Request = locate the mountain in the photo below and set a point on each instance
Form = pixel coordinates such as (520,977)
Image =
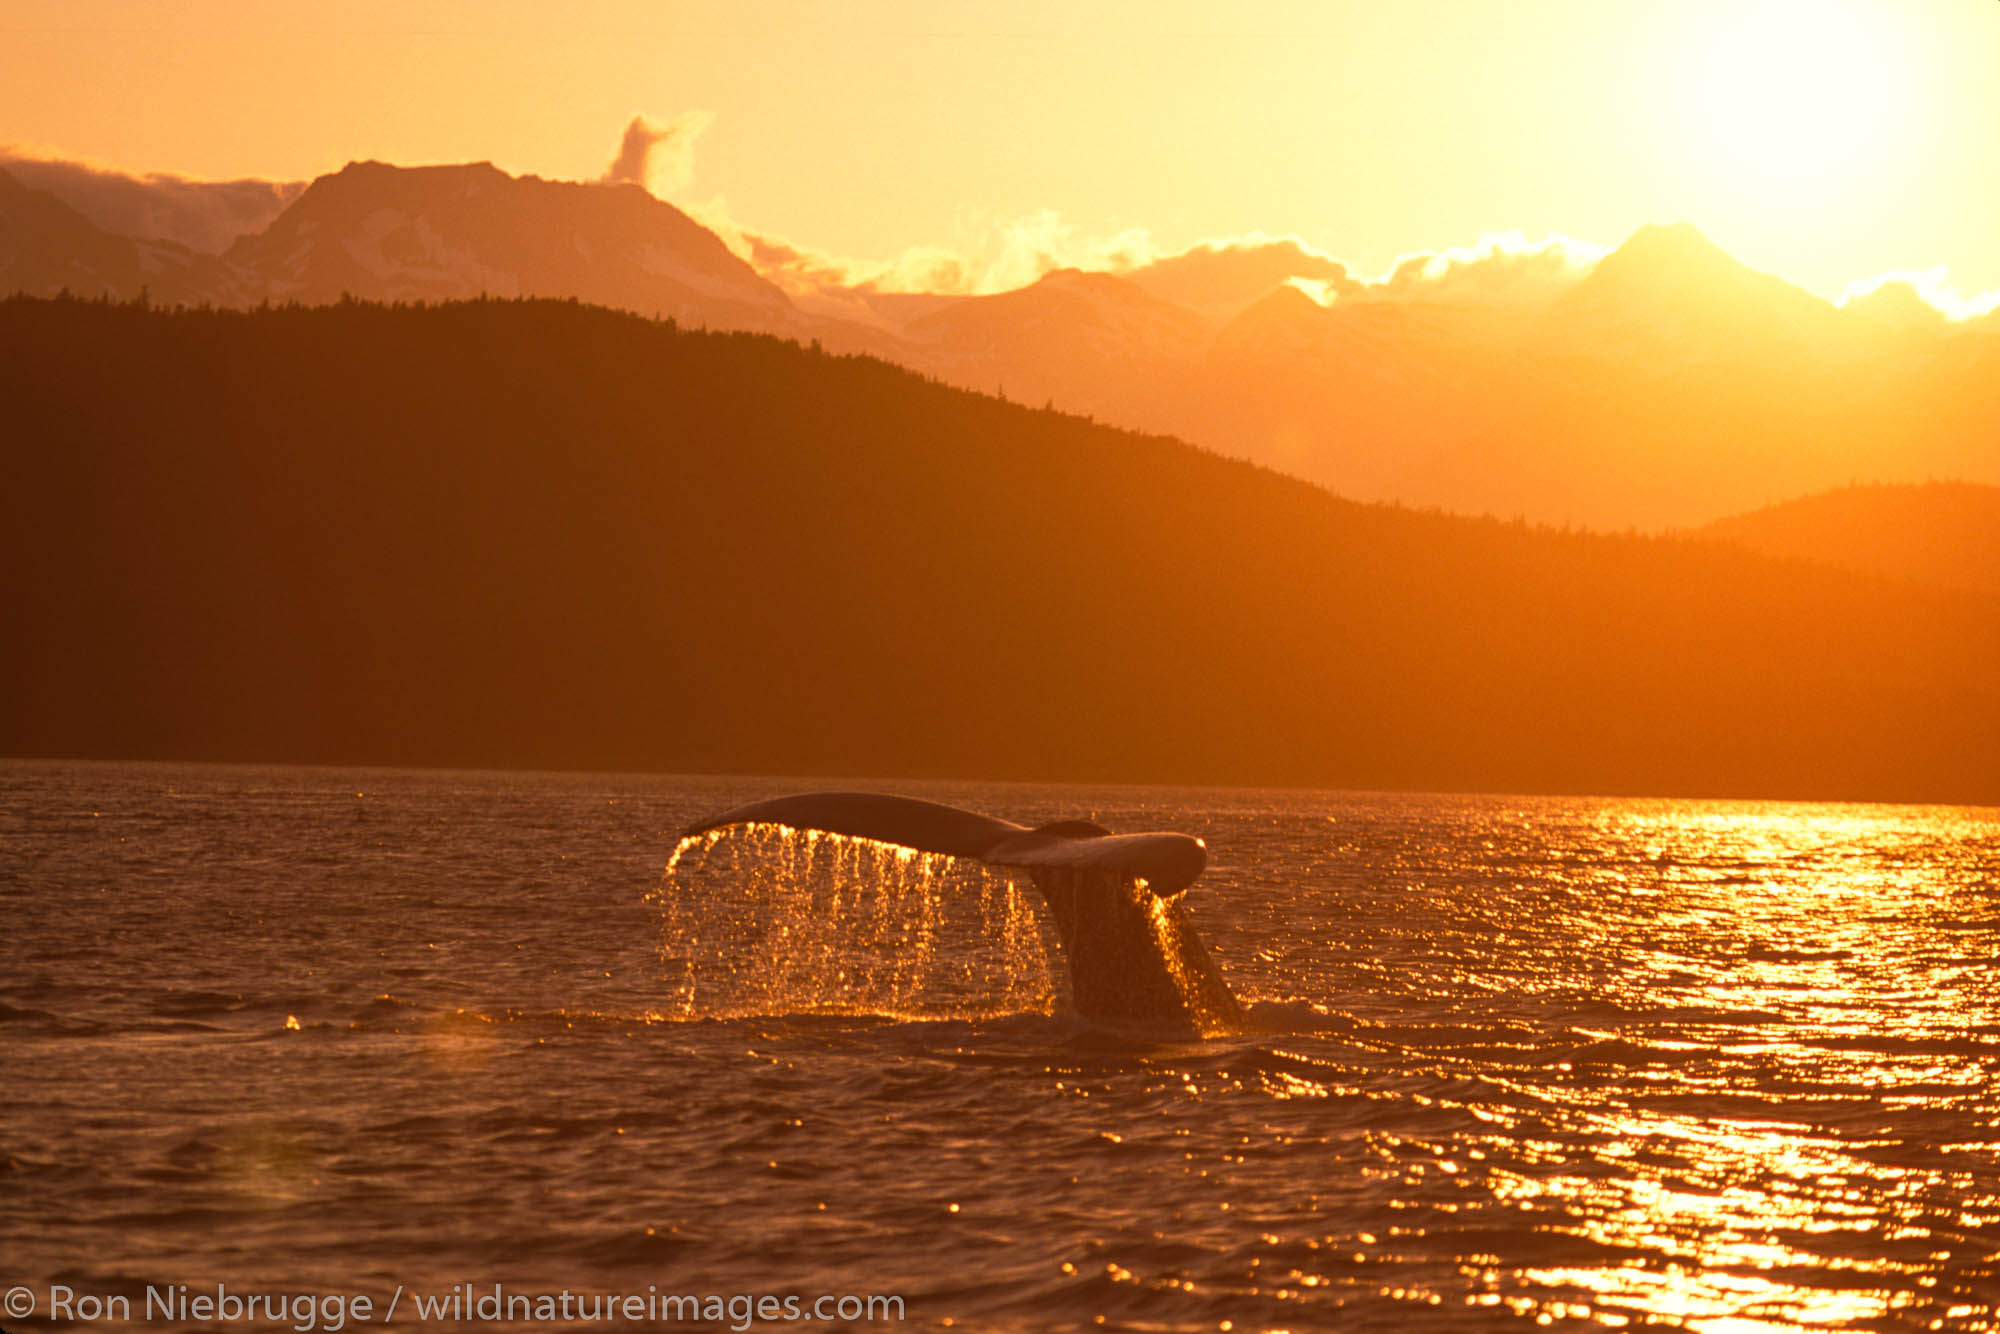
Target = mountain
(378,232)
(546,534)
(1093,342)
(48,247)
(1667,386)
(1384,383)
(1219,282)
(1674,385)
(1669,295)
(1946,534)
(1897,306)
(203,216)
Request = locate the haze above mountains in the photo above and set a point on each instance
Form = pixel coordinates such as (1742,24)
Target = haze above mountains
(1664,385)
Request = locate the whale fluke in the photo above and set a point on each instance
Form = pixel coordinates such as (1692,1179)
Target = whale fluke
(1133,954)
(1167,863)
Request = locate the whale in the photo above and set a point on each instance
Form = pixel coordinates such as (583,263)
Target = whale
(1134,957)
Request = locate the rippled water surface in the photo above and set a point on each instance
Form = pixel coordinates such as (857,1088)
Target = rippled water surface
(1717,1066)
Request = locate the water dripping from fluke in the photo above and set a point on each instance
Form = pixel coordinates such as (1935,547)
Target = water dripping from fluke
(859,903)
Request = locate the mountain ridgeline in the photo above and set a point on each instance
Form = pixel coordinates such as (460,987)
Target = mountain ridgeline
(1945,534)
(544,534)
(1664,385)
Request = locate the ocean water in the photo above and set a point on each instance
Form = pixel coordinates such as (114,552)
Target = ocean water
(1511,1062)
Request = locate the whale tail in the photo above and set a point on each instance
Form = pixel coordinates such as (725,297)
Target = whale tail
(1134,956)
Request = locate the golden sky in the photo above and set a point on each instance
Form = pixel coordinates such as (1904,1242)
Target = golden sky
(1824,140)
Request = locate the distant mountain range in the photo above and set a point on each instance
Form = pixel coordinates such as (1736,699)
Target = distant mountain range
(1943,534)
(380,233)
(1665,386)
(547,534)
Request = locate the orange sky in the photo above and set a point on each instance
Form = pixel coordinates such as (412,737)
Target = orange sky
(1824,140)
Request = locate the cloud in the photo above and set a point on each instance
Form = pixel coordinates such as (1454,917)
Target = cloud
(1216,278)
(201,215)
(988,255)
(1888,296)
(1504,269)
(797,267)
(771,256)
(1223,277)
(1018,251)
(658,158)
(984,256)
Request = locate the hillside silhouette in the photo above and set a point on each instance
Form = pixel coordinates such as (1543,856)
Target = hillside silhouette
(1665,384)
(1941,533)
(544,534)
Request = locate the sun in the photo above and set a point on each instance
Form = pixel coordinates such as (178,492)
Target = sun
(1788,96)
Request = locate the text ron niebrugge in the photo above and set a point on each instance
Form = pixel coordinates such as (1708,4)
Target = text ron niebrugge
(307,1312)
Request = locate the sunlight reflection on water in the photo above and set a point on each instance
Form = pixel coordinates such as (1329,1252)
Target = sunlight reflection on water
(1599,1063)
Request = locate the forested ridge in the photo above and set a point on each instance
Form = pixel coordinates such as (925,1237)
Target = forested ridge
(550,535)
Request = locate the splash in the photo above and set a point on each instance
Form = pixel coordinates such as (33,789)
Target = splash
(767,919)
